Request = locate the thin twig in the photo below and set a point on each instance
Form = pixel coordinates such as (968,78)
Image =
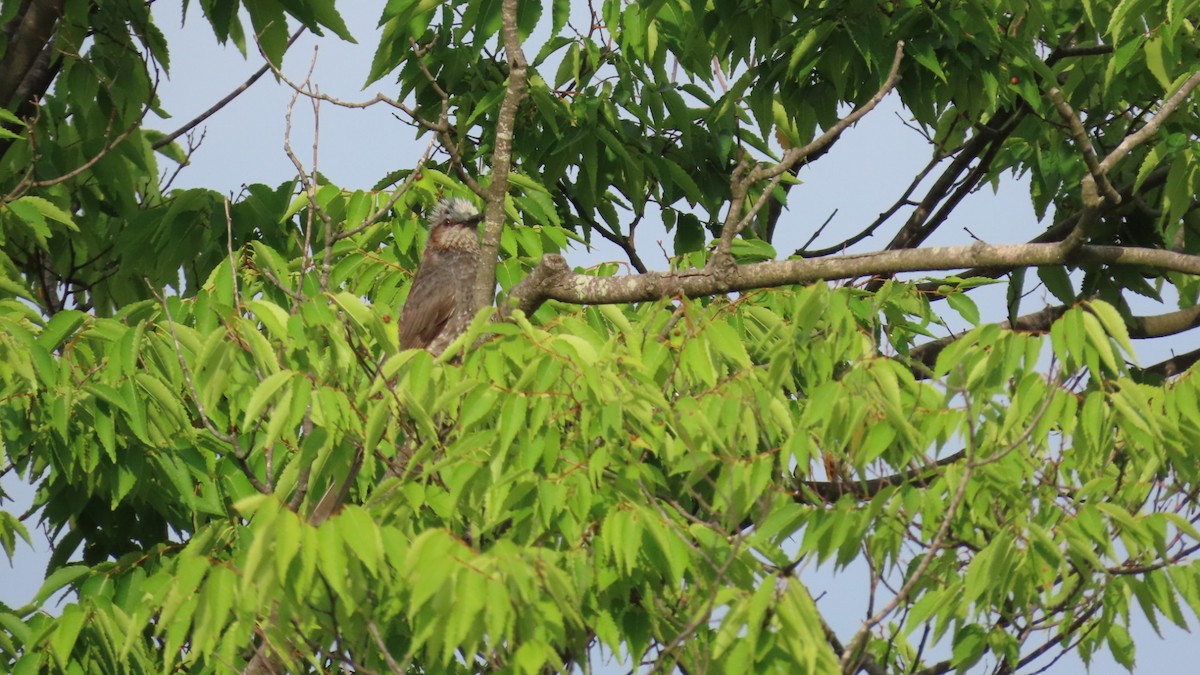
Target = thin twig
(852,655)
(393,667)
(396,195)
(170,138)
(230,439)
(1085,145)
(740,184)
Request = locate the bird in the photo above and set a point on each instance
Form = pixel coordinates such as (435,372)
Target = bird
(438,308)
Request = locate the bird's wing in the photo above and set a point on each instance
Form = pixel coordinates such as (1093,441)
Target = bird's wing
(429,306)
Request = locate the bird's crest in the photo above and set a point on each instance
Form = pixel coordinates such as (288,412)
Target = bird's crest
(454,210)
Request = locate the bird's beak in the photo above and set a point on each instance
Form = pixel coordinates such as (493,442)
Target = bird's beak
(474,220)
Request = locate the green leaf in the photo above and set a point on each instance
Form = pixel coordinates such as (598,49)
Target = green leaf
(965,307)
(62,641)
(970,644)
(272,316)
(1154,48)
(59,327)
(333,563)
(1125,10)
(261,396)
(1113,324)
(1099,341)
(1058,282)
(1121,645)
(56,581)
(923,54)
(1016,284)
(361,535)
(46,208)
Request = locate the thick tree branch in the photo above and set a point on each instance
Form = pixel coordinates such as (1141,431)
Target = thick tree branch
(536,287)
(927,353)
(817,492)
(1062,227)
(1141,328)
(32,31)
(557,282)
(1174,365)
(485,280)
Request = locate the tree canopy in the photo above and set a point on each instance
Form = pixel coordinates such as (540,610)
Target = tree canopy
(240,471)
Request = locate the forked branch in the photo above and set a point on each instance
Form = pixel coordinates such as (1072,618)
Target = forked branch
(742,180)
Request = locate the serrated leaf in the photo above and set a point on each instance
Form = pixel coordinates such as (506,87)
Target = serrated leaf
(262,394)
(47,209)
(272,316)
(62,641)
(56,581)
(1099,341)
(1155,60)
(1114,325)
(59,327)
(1058,282)
(361,535)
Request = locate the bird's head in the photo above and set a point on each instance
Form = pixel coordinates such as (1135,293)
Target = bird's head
(454,211)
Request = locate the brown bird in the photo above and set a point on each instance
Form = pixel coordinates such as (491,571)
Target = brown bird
(439,302)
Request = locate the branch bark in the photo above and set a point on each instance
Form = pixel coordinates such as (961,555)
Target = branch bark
(485,279)
(1064,225)
(553,280)
(33,29)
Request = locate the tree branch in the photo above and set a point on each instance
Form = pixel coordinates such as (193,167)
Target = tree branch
(557,282)
(1093,203)
(1062,227)
(1085,144)
(1174,365)
(819,492)
(170,138)
(1142,135)
(927,353)
(740,184)
(917,228)
(485,280)
(869,230)
(396,195)
(855,649)
(624,242)
(33,30)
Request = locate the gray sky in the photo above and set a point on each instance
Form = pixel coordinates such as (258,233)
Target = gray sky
(866,172)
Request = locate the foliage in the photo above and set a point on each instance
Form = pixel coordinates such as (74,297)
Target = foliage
(237,465)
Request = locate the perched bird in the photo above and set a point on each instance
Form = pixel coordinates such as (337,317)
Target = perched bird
(439,303)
